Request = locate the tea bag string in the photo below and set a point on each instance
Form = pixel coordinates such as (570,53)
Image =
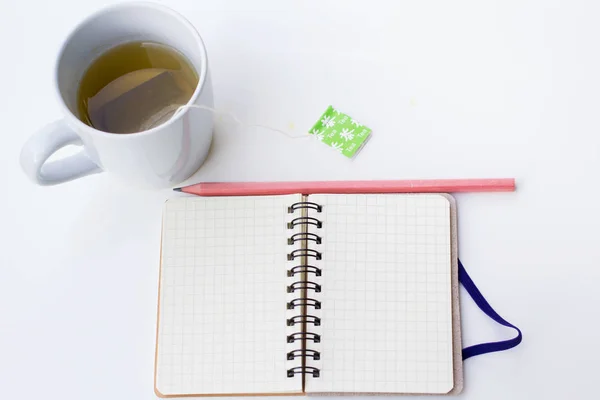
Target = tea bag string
(239,122)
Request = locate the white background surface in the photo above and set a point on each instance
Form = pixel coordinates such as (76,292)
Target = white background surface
(450,89)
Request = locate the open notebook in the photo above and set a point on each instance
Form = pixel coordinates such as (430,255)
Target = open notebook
(308,295)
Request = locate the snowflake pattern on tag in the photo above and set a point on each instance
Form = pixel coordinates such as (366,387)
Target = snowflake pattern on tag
(339,131)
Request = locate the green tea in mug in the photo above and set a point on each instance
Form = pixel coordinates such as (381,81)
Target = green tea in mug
(134,87)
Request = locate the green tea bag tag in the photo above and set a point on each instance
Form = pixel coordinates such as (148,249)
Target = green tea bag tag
(341,132)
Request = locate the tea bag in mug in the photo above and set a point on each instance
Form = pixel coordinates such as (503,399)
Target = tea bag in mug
(138,101)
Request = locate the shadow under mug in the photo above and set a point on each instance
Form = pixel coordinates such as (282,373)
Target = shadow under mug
(160,157)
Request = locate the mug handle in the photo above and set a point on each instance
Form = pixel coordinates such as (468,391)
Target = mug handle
(46,142)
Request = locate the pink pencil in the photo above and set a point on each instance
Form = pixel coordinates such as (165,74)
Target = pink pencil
(347,187)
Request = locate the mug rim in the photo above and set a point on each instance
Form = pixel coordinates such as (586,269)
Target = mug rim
(197,91)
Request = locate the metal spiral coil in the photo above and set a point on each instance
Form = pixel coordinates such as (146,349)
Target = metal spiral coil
(316,372)
(305,204)
(304,353)
(304,336)
(304,253)
(296,237)
(304,301)
(304,287)
(308,269)
(304,221)
(307,319)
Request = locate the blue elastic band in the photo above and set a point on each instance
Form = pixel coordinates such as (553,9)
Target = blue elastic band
(482,303)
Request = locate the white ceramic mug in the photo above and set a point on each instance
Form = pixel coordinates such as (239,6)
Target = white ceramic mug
(159,157)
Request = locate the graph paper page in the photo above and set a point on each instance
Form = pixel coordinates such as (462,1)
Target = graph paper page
(386,295)
(222,304)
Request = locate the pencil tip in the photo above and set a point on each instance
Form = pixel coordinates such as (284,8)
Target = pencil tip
(177,189)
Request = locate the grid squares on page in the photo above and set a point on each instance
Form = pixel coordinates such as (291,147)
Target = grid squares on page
(222,316)
(386,306)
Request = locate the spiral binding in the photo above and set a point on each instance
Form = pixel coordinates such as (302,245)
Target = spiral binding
(314,371)
(304,301)
(308,269)
(316,321)
(305,204)
(304,253)
(304,336)
(304,236)
(304,353)
(304,221)
(303,286)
